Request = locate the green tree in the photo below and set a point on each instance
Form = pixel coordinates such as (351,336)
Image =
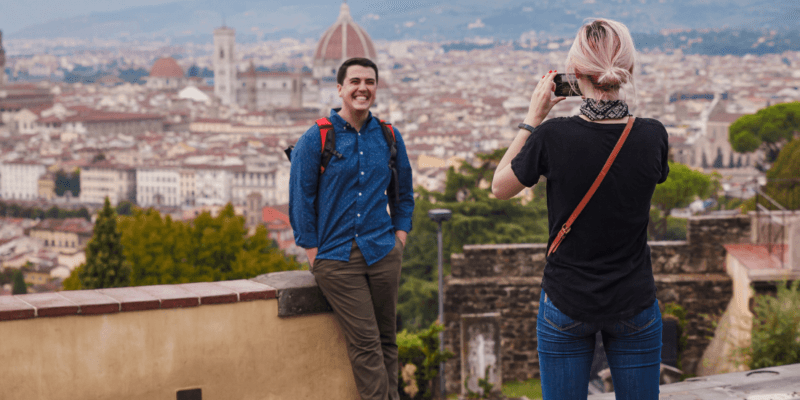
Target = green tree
(19,283)
(769,128)
(73,282)
(68,182)
(125,207)
(163,251)
(52,212)
(105,264)
(683,185)
(783,178)
(478,218)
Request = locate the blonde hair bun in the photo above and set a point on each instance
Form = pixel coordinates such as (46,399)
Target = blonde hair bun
(603,51)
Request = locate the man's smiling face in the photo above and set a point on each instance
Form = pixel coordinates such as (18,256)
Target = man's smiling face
(358,89)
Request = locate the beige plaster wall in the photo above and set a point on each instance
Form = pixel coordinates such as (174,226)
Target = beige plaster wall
(733,329)
(232,351)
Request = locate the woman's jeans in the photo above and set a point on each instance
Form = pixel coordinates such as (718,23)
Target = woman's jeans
(566,349)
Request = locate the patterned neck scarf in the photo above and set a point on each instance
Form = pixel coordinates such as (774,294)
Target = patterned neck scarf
(604,109)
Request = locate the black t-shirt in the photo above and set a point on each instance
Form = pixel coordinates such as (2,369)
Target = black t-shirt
(602,270)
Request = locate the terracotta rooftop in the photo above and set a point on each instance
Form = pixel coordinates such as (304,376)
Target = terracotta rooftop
(757,256)
(101,116)
(345,32)
(73,225)
(276,213)
(723,117)
(166,67)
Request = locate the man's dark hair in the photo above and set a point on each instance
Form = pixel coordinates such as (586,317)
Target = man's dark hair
(364,62)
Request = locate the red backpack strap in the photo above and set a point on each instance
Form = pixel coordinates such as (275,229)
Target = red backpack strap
(391,129)
(324,126)
(328,140)
(393,191)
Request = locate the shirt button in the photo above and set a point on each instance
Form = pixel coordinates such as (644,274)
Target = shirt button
(359,193)
(362,172)
(358,215)
(361,152)
(356,235)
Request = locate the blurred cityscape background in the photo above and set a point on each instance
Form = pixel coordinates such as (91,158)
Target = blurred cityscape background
(177,114)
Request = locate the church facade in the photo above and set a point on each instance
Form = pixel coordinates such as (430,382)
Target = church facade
(260,90)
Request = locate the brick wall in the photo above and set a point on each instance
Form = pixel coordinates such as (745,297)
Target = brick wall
(506,278)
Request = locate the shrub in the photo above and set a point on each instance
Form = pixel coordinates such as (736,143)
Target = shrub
(422,350)
(776,328)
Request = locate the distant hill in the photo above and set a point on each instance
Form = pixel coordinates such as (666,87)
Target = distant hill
(501,20)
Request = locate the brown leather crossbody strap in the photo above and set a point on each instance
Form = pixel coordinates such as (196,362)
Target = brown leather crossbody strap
(566,228)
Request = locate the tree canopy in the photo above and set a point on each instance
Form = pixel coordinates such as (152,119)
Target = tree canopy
(783,178)
(158,250)
(770,127)
(19,283)
(163,251)
(478,218)
(68,182)
(683,185)
(105,264)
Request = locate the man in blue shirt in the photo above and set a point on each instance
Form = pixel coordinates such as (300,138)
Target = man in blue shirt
(340,217)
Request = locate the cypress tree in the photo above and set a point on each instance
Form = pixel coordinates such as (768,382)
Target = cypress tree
(19,283)
(105,264)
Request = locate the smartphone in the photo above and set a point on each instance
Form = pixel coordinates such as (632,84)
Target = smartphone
(563,86)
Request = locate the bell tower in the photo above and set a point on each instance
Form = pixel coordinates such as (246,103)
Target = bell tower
(224,65)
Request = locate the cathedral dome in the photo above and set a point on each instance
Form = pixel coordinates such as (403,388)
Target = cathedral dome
(166,67)
(343,40)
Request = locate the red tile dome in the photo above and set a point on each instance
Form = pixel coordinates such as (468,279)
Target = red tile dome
(166,67)
(344,39)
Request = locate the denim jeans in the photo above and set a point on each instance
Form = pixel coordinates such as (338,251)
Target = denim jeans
(566,349)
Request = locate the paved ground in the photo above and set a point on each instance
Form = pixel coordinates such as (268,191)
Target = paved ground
(776,383)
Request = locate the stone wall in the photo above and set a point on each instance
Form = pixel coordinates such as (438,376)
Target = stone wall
(506,278)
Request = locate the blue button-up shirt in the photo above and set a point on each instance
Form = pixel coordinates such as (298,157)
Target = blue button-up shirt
(348,201)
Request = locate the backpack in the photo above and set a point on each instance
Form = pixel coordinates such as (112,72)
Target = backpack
(328,139)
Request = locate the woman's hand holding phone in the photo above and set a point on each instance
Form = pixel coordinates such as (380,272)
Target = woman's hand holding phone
(542,100)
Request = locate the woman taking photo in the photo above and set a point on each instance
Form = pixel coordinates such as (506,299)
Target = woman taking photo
(598,276)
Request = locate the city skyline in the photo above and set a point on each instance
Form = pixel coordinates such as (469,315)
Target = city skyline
(389,20)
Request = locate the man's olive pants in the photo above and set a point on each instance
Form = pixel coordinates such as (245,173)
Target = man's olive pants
(364,300)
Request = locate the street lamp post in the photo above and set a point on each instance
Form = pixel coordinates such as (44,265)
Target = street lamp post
(440,215)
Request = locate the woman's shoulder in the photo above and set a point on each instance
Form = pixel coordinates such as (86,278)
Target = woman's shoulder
(554,124)
(651,123)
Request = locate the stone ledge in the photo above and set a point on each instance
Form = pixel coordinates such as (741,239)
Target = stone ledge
(768,383)
(298,293)
(501,247)
(496,280)
(134,298)
(667,243)
(674,278)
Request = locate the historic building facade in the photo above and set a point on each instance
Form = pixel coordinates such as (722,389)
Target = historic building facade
(259,90)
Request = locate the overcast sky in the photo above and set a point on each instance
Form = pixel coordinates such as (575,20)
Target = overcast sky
(17,14)
(264,16)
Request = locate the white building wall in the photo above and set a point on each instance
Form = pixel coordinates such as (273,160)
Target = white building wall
(281,193)
(247,182)
(157,186)
(212,187)
(20,181)
(97,183)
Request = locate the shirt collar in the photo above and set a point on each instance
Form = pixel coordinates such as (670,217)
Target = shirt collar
(339,122)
